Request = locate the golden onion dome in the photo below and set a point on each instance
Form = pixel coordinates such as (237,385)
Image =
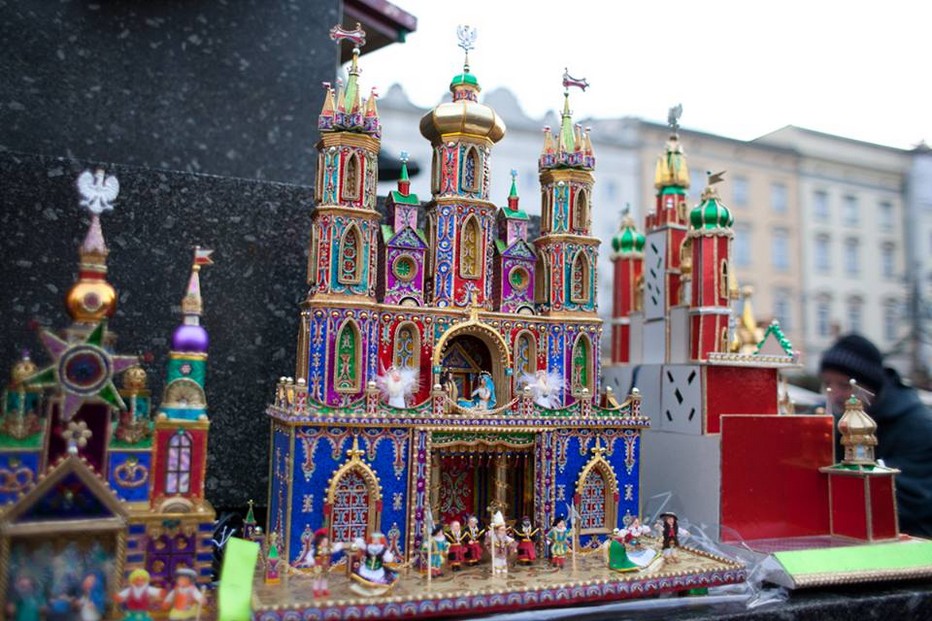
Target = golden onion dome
(90,301)
(464,115)
(134,378)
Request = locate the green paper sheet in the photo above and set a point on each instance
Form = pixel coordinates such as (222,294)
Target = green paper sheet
(234,595)
(881,557)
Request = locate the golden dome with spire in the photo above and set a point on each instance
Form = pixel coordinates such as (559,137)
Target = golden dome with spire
(857,434)
(135,378)
(92,299)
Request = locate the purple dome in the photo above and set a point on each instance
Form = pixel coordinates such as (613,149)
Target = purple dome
(191,339)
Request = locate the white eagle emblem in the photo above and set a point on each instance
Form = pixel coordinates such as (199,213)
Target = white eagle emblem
(98,191)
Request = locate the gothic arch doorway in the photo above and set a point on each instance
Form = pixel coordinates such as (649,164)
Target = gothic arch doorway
(467,349)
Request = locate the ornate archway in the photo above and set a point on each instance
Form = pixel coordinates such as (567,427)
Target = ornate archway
(499,358)
(354,498)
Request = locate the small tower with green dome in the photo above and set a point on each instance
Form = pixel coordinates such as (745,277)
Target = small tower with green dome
(628,260)
(710,235)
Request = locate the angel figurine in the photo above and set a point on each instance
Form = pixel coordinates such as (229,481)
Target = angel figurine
(546,387)
(398,385)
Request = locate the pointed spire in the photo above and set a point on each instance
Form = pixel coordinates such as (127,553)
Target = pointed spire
(569,147)
(327,112)
(190,336)
(548,142)
(351,112)
(92,298)
(567,141)
(404,183)
(513,194)
(671,168)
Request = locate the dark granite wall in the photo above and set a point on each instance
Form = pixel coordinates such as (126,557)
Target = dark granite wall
(225,87)
(259,231)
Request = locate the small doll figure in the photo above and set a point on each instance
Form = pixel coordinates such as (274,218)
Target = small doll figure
(670,533)
(376,554)
(438,546)
(618,553)
(483,396)
(398,385)
(93,600)
(138,597)
(559,537)
(473,541)
(185,600)
(457,551)
(323,553)
(272,559)
(525,535)
(637,551)
(25,603)
(500,544)
(545,388)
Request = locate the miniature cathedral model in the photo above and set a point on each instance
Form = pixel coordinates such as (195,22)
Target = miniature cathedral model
(457,295)
(70,432)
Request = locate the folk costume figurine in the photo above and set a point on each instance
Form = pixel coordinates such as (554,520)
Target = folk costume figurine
(25,603)
(398,385)
(93,602)
(559,537)
(473,541)
(637,551)
(670,532)
(437,547)
(138,597)
(618,554)
(525,535)
(457,552)
(321,557)
(376,555)
(185,600)
(500,544)
(305,558)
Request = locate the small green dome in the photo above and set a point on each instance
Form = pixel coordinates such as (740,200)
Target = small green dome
(711,213)
(464,78)
(628,239)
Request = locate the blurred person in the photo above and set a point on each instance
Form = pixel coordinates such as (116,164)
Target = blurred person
(904,423)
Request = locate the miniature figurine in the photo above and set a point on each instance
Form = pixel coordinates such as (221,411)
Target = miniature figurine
(637,551)
(185,600)
(457,552)
(483,396)
(372,569)
(321,558)
(559,537)
(306,556)
(25,603)
(398,385)
(670,532)
(93,601)
(500,544)
(474,541)
(545,388)
(525,534)
(618,554)
(449,385)
(437,547)
(272,558)
(138,597)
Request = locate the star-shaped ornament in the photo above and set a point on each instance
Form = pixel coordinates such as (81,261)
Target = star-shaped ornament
(84,371)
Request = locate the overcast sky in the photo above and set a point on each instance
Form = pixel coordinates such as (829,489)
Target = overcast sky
(741,69)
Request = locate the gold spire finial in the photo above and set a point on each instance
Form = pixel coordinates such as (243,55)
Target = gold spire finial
(355,453)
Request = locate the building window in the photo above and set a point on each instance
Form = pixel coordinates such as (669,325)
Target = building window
(852,257)
(352,176)
(407,346)
(782,310)
(885,215)
(350,511)
(824,317)
(742,246)
(471,170)
(581,213)
(823,253)
(888,260)
(435,171)
(855,315)
(580,283)
(471,248)
(542,276)
(778,198)
(850,215)
(739,191)
(820,205)
(178,473)
(546,207)
(781,249)
(312,257)
(348,358)
(350,256)
(525,354)
(891,320)
(582,364)
(593,499)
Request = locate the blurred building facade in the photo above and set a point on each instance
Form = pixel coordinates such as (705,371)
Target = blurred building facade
(832,235)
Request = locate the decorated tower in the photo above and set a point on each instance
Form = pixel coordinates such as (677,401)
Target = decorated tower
(710,238)
(342,264)
(460,216)
(567,251)
(181,428)
(513,275)
(401,279)
(628,262)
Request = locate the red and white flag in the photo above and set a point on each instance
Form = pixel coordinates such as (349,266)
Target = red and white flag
(202,256)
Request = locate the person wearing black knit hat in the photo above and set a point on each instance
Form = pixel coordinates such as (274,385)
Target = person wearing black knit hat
(904,423)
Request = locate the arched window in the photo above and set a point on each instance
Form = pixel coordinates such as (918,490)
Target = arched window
(471,255)
(350,256)
(582,364)
(580,281)
(542,277)
(178,472)
(597,487)
(407,346)
(525,354)
(435,171)
(352,176)
(723,283)
(546,208)
(581,212)
(312,257)
(472,170)
(347,373)
(350,511)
